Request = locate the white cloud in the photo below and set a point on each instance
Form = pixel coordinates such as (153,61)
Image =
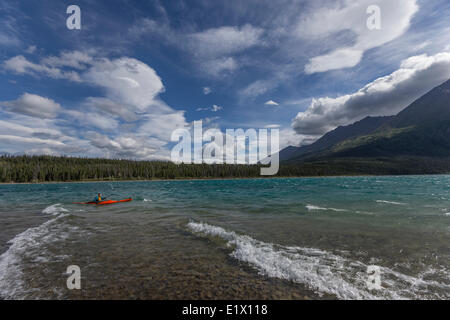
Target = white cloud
(339,59)
(288,137)
(33,105)
(215,49)
(224,40)
(73,59)
(92,119)
(129,146)
(130,104)
(128,81)
(26,134)
(10,26)
(27,140)
(258,88)
(8,40)
(161,126)
(422,45)
(20,65)
(384,96)
(209,120)
(219,66)
(104,105)
(351,16)
(271,103)
(22,133)
(13,128)
(214,108)
(31,49)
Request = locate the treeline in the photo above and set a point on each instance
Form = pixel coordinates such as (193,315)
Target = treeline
(49,168)
(52,169)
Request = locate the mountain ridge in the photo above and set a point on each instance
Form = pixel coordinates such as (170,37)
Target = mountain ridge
(421,129)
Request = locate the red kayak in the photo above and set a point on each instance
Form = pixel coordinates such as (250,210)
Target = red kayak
(104,202)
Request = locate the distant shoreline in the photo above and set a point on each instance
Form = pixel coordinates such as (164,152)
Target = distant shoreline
(220,179)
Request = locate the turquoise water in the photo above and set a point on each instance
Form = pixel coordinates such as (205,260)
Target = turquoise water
(306,238)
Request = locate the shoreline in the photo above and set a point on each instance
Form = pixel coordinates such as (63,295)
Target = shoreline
(219,179)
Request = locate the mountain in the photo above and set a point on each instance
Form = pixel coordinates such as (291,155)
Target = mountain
(364,126)
(434,106)
(421,130)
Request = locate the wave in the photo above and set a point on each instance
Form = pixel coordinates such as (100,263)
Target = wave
(312,207)
(54,209)
(319,270)
(390,202)
(30,247)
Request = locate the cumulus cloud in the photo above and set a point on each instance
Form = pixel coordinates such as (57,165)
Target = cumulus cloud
(33,105)
(130,102)
(350,16)
(384,96)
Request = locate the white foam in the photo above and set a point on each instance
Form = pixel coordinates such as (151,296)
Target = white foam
(54,209)
(312,207)
(319,270)
(31,245)
(390,202)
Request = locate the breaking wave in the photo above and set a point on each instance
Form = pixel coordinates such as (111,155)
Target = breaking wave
(30,246)
(390,202)
(311,207)
(323,271)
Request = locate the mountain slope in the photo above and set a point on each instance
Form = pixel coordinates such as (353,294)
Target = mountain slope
(422,129)
(362,127)
(432,107)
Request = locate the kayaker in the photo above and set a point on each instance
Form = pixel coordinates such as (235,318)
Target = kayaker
(98,198)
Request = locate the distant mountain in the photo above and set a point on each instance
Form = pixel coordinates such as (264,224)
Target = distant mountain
(421,130)
(362,127)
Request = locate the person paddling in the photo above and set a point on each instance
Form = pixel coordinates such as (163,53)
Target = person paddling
(98,198)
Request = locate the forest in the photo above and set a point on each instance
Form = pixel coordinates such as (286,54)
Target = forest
(25,169)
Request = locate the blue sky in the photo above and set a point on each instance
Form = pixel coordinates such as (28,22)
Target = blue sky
(137,70)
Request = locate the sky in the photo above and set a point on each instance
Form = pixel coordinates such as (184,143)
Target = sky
(138,70)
